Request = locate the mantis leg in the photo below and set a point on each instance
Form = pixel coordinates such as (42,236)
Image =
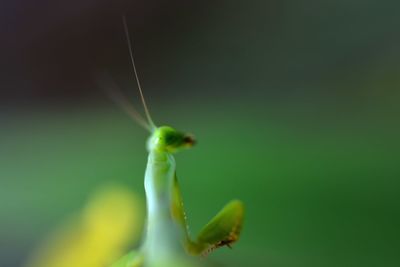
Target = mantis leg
(178,211)
(222,230)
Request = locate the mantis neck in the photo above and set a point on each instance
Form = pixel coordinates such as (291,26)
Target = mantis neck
(162,234)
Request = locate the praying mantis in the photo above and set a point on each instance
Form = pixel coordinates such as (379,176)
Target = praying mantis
(167,242)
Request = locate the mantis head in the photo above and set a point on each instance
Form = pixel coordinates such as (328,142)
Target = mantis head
(166,138)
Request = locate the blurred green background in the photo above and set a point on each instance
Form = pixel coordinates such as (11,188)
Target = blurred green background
(295,105)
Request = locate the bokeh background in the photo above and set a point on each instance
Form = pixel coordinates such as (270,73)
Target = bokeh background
(295,105)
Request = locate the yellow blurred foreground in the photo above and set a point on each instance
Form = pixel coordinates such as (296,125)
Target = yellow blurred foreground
(98,236)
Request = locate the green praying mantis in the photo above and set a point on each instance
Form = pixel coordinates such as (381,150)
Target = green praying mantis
(166,241)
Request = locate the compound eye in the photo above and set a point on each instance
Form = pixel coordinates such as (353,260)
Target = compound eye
(171,138)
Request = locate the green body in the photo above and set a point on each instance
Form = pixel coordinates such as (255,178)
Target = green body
(167,241)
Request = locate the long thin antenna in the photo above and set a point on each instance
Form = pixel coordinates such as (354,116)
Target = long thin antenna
(128,38)
(113,91)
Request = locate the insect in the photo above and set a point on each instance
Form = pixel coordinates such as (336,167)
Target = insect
(166,239)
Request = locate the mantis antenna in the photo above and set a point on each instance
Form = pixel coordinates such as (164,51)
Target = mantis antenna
(150,121)
(120,99)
